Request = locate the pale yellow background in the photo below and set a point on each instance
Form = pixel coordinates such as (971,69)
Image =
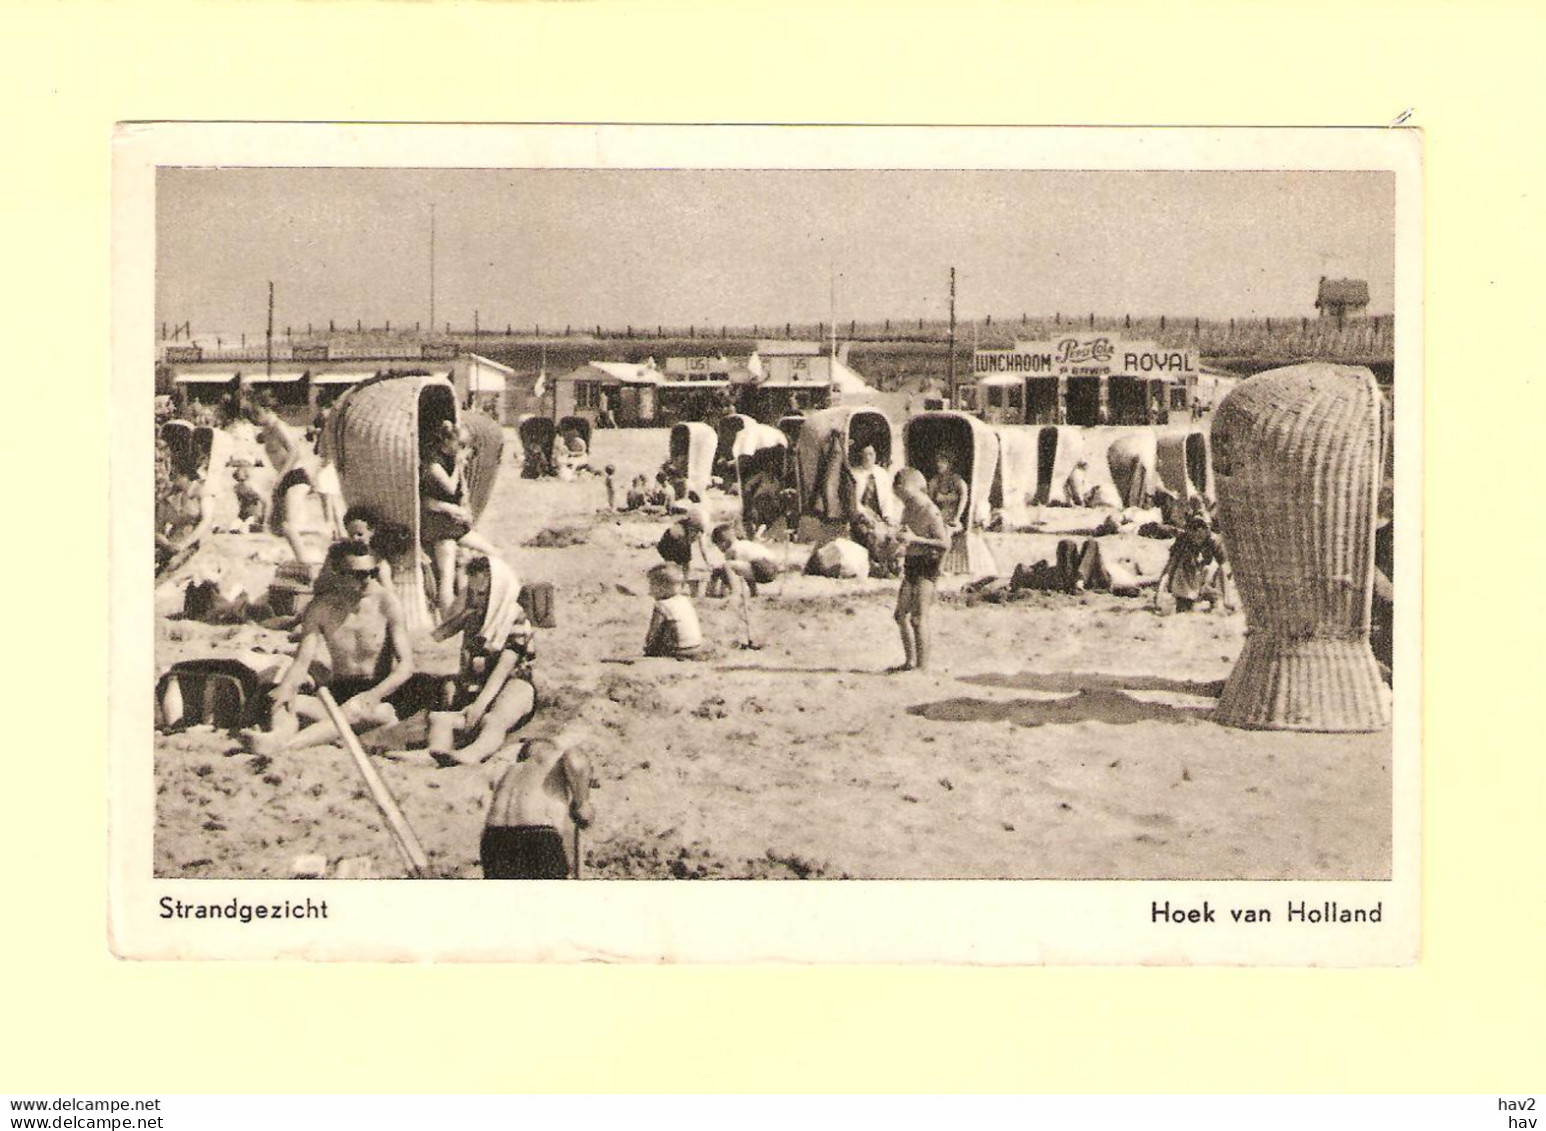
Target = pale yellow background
(1469,1017)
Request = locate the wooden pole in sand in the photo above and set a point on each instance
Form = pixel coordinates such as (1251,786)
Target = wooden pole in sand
(402,831)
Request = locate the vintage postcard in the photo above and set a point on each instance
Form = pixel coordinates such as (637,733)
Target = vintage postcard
(1013,534)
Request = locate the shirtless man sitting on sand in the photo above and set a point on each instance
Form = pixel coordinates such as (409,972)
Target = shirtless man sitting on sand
(361,623)
(538,804)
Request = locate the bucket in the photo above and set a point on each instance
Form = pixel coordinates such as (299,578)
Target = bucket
(443,726)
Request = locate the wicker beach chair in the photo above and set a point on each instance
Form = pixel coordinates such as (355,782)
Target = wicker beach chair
(1296,455)
(374,434)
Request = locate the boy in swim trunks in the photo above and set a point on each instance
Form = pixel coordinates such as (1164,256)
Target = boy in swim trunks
(538,804)
(750,562)
(925,540)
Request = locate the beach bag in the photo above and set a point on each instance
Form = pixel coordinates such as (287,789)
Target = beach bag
(224,693)
(537,599)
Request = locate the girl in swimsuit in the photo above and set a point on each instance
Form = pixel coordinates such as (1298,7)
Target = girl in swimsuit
(444,520)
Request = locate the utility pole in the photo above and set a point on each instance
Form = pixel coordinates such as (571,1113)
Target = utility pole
(952,338)
(431,268)
(268,350)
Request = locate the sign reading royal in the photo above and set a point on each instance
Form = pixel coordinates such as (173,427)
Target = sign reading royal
(1086,355)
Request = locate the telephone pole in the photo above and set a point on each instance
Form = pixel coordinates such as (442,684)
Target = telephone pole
(268,349)
(431,268)
(952,338)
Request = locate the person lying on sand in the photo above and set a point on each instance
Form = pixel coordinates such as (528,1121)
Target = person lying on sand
(538,804)
(1080,567)
(839,558)
(493,688)
(745,562)
(361,623)
(674,630)
(925,541)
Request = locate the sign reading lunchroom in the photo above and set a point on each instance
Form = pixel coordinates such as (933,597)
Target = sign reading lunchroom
(1086,355)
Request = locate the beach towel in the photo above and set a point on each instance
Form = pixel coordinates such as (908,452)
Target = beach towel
(504,604)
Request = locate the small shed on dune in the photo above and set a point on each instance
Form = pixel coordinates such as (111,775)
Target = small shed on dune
(1341,299)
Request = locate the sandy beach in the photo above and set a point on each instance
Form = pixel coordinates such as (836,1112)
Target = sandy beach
(1061,736)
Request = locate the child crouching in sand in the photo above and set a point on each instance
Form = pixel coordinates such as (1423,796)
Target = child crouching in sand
(674,630)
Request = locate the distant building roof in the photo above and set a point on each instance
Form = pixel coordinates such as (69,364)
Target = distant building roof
(1344,292)
(628,373)
(776,346)
(479,359)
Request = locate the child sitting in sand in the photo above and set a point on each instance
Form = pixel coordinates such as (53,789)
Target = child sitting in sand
(638,494)
(674,630)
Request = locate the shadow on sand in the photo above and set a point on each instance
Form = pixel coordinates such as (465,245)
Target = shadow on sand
(1091,697)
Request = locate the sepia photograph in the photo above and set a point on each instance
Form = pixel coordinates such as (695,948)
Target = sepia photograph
(735,523)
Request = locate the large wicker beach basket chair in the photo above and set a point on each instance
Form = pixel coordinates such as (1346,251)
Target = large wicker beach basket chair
(973,450)
(691,444)
(1133,462)
(1014,481)
(1296,456)
(827,439)
(373,435)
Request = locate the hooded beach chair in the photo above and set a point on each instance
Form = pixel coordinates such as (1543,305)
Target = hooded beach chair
(1014,480)
(1132,459)
(828,442)
(1185,461)
(375,433)
(761,455)
(536,434)
(1297,453)
(691,448)
(1059,448)
(973,449)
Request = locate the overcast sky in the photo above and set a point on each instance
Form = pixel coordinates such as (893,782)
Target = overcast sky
(552,247)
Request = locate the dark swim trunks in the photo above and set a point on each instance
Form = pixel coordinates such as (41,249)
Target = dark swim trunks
(524,852)
(420,692)
(921,567)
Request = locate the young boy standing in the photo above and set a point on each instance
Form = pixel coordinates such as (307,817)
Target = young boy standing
(925,540)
